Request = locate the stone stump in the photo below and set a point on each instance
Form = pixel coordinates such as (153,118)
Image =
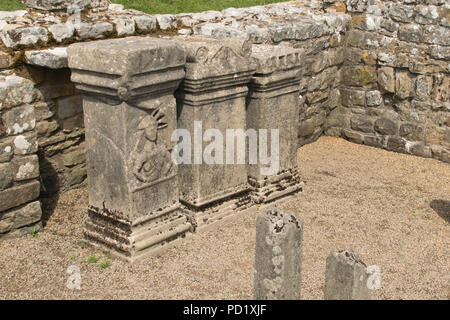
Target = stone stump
(345,277)
(212,96)
(273,103)
(130,114)
(278,256)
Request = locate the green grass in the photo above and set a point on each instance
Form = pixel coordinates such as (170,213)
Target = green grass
(179,6)
(92,259)
(165,6)
(11,5)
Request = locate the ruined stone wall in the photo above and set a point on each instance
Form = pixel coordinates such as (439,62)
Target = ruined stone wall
(20,209)
(395,79)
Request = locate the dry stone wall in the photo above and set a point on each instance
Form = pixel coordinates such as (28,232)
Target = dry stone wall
(20,209)
(395,78)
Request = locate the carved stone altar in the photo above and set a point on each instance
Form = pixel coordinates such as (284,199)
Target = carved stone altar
(130,114)
(273,103)
(213,94)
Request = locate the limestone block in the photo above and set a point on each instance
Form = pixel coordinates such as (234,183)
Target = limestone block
(15,90)
(19,195)
(361,123)
(213,94)
(124,26)
(404,85)
(17,218)
(345,277)
(25,168)
(145,23)
(386,126)
(25,143)
(50,58)
(278,256)
(167,21)
(19,120)
(95,30)
(386,79)
(6,176)
(23,36)
(130,113)
(62,31)
(6,150)
(374,98)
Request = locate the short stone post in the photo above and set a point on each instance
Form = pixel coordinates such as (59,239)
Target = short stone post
(273,104)
(211,100)
(345,277)
(130,114)
(278,256)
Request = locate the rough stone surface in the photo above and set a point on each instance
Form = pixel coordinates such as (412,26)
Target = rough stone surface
(64,4)
(213,94)
(345,277)
(278,256)
(132,179)
(52,58)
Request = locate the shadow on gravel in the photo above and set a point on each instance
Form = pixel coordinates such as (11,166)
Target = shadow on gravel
(442,208)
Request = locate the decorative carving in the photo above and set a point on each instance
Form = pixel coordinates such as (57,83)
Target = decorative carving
(151,161)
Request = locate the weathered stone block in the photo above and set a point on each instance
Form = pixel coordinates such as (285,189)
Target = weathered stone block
(6,150)
(50,58)
(25,144)
(374,98)
(130,114)
(401,13)
(345,277)
(404,85)
(212,96)
(272,104)
(353,97)
(361,123)
(359,75)
(145,23)
(15,90)
(124,26)
(23,36)
(25,168)
(278,256)
(411,33)
(424,85)
(6,177)
(396,144)
(412,132)
(19,195)
(386,126)
(352,136)
(19,120)
(17,218)
(62,31)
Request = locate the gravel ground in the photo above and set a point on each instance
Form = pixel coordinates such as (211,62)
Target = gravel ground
(392,209)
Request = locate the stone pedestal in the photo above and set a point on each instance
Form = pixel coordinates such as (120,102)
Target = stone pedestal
(130,114)
(273,103)
(278,256)
(213,94)
(346,277)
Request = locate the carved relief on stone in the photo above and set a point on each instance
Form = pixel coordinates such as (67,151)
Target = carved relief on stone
(151,161)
